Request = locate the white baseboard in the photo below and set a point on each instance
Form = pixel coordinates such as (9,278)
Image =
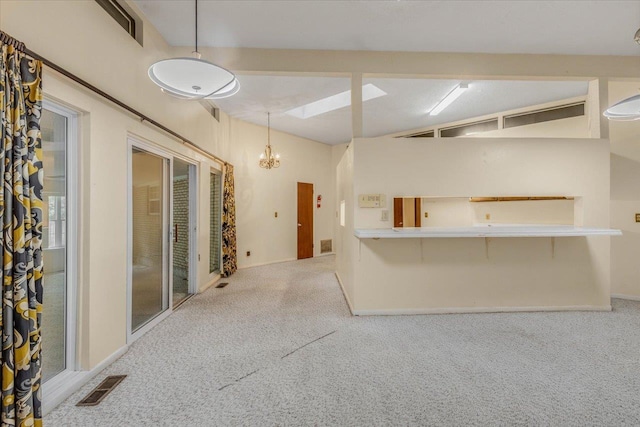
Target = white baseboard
(346,296)
(267,263)
(281,261)
(627,297)
(55,391)
(209,283)
(461,310)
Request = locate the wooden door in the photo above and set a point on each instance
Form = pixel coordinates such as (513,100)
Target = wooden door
(398,212)
(418,211)
(305,220)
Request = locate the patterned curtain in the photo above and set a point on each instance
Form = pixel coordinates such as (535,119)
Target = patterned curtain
(229,257)
(21,214)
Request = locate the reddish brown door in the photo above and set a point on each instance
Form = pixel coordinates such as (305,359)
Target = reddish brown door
(305,220)
(418,211)
(398,212)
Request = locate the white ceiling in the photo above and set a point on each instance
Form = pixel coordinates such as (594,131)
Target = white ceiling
(404,107)
(558,27)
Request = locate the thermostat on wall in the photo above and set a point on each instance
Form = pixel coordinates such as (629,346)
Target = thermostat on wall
(372,201)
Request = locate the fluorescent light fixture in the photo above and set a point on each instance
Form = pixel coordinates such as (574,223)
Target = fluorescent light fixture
(334,102)
(447,100)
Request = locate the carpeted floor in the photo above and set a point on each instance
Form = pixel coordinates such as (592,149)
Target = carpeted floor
(252,354)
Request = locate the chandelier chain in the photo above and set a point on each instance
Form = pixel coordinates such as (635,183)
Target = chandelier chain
(267,159)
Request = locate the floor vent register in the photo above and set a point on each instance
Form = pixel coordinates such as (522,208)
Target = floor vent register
(101,391)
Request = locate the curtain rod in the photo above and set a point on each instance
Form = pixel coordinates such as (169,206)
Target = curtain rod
(7,39)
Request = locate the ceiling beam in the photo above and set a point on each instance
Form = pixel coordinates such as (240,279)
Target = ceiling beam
(422,64)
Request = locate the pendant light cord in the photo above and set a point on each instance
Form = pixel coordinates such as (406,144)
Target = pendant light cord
(197,26)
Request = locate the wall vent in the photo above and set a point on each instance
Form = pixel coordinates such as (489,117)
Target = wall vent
(326,246)
(469,128)
(546,115)
(124,16)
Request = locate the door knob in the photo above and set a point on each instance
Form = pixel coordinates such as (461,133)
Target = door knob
(299,225)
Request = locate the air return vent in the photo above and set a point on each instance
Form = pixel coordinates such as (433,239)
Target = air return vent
(469,128)
(98,394)
(546,115)
(326,246)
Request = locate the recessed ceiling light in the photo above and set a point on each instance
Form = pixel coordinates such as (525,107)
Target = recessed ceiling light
(334,102)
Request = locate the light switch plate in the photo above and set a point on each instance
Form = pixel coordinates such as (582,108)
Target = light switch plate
(384,216)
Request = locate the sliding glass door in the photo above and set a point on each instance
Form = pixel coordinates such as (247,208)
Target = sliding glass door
(58,127)
(148,237)
(184,224)
(215,222)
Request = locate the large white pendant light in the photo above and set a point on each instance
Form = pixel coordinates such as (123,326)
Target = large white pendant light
(627,109)
(193,78)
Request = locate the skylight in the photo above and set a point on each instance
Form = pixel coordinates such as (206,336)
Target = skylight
(334,102)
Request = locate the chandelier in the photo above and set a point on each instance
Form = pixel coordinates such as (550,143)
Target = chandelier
(267,159)
(193,78)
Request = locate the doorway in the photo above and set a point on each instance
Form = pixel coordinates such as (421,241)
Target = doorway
(407,212)
(148,238)
(305,220)
(183,231)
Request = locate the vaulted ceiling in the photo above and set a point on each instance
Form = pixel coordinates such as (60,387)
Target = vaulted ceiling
(536,27)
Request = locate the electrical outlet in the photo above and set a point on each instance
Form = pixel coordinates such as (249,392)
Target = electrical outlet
(487,216)
(426,214)
(276,215)
(638,217)
(248,253)
(384,215)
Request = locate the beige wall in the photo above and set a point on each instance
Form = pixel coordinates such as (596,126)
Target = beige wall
(625,196)
(82,38)
(418,275)
(346,243)
(260,193)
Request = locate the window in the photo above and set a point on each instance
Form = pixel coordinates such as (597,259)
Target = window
(425,134)
(124,16)
(540,116)
(57,221)
(469,128)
